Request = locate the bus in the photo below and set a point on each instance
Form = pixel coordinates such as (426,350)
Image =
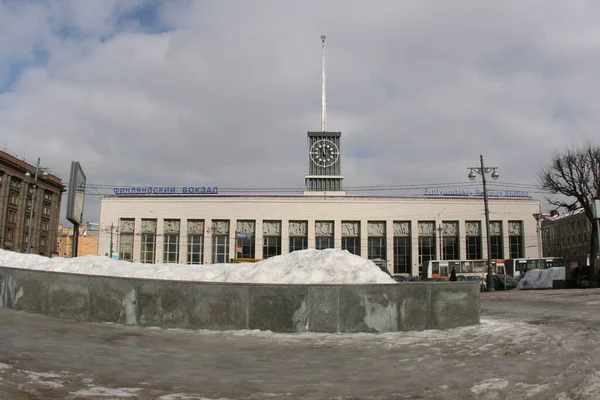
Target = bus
(442,268)
(517,266)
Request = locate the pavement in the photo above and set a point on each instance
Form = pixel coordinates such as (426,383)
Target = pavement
(529,345)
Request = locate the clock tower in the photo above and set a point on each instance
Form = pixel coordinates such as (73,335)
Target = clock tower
(324,167)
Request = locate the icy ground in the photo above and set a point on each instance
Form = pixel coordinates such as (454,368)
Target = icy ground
(530,345)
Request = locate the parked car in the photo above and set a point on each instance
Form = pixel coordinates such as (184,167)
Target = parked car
(473,278)
(505,282)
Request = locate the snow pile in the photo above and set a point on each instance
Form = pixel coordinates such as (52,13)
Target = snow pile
(541,278)
(310,266)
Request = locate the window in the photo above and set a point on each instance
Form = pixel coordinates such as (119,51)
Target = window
(14,198)
(351,237)
(271,238)
(298,231)
(220,247)
(12,217)
(9,234)
(148,254)
(426,242)
(171,242)
(45,225)
(473,244)
(14,182)
(402,247)
(126,228)
(324,235)
(171,253)
(46,209)
(195,248)
(47,195)
(450,240)
(245,245)
(515,239)
(376,241)
(496,243)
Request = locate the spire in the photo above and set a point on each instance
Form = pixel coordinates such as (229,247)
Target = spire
(323,94)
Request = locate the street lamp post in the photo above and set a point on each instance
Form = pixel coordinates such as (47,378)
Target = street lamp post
(45,172)
(472,175)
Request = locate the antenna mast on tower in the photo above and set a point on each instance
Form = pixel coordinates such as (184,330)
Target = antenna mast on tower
(323,94)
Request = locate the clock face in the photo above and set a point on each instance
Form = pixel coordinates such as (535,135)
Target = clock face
(324,153)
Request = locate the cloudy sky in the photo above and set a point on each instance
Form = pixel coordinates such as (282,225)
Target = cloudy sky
(222,93)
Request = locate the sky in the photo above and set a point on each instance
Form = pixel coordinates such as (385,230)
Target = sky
(217,93)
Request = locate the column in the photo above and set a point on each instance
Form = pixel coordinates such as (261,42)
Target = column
(389,241)
(337,234)
(208,241)
(183,241)
(232,239)
(414,234)
(285,236)
(258,242)
(137,240)
(364,238)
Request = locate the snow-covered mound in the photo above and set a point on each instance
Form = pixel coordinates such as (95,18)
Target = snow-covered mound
(300,267)
(541,278)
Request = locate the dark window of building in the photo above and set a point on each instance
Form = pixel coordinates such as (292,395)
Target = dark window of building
(351,237)
(298,235)
(352,244)
(516,246)
(473,240)
(496,248)
(220,249)
(271,246)
(426,243)
(245,246)
(298,243)
(271,238)
(450,248)
(195,249)
(148,248)
(324,235)
(171,248)
(402,255)
(377,248)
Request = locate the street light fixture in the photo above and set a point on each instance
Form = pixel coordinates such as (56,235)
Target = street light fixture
(482,170)
(35,172)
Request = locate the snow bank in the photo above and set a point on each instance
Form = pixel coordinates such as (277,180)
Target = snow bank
(310,266)
(541,278)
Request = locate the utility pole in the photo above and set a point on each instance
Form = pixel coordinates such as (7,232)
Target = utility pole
(111,229)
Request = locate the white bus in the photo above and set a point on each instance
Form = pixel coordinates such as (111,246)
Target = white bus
(442,268)
(518,266)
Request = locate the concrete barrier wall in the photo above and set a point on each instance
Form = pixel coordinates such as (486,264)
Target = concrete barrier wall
(404,306)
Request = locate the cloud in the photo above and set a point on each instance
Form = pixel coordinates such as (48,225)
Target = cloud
(221,93)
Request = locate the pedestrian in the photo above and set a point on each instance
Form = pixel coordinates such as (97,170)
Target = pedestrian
(453,274)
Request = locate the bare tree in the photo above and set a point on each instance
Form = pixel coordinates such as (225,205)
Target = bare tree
(575,174)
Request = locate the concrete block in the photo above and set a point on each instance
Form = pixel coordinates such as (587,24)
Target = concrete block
(28,290)
(412,302)
(113,300)
(164,303)
(277,308)
(368,308)
(323,315)
(218,307)
(454,304)
(68,296)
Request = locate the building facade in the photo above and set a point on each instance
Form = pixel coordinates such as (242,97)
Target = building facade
(16,195)
(567,235)
(402,233)
(87,242)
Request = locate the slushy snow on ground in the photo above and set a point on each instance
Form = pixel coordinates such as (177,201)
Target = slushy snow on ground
(541,278)
(330,266)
